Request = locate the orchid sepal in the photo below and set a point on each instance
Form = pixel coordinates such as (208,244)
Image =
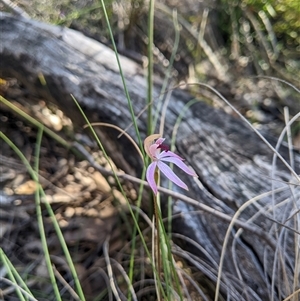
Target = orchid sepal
(159,153)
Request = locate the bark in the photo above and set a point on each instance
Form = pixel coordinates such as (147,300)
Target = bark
(232,163)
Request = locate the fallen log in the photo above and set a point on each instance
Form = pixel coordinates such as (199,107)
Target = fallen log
(232,163)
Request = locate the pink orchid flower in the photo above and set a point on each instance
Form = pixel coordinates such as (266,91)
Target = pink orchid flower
(159,153)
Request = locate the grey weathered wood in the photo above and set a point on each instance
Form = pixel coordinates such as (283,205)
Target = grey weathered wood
(232,163)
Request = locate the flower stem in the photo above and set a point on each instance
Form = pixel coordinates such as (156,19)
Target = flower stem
(156,225)
(156,208)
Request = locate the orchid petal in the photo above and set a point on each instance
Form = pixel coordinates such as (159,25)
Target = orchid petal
(169,173)
(159,153)
(180,164)
(154,151)
(150,176)
(169,154)
(159,141)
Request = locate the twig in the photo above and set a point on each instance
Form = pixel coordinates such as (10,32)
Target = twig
(66,285)
(14,286)
(109,269)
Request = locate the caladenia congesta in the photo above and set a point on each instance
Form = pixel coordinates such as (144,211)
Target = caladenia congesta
(160,154)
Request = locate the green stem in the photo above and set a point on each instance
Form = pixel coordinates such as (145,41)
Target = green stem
(34,176)
(123,78)
(4,259)
(39,215)
(157,238)
(134,234)
(121,188)
(150,64)
(11,269)
(62,241)
(156,216)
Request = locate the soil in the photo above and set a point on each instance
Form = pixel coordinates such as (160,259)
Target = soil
(83,201)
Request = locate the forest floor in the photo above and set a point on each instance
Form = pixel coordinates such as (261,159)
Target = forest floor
(82,198)
(79,195)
